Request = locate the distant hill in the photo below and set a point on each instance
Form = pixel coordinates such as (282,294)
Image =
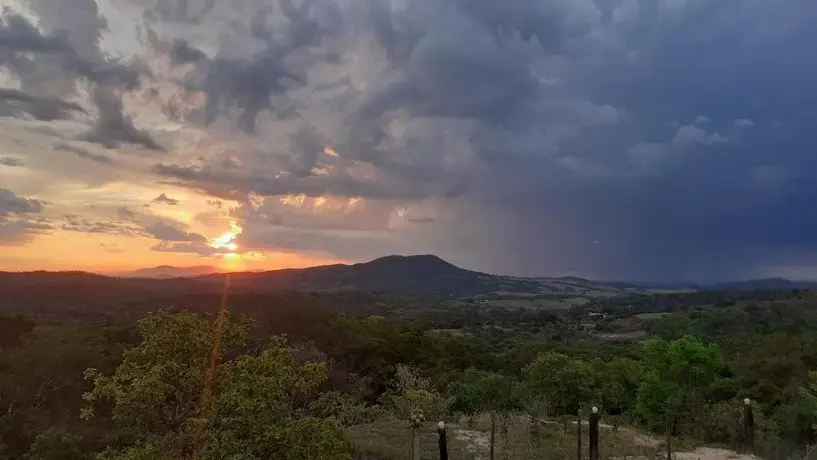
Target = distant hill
(166,271)
(405,276)
(762,284)
(418,275)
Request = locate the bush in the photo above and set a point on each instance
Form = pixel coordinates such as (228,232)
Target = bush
(56,445)
(344,408)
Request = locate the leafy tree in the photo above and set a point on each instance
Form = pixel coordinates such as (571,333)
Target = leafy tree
(677,377)
(41,381)
(256,417)
(413,392)
(160,405)
(56,445)
(562,384)
(344,408)
(478,391)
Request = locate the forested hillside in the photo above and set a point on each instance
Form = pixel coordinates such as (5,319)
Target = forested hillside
(301,375)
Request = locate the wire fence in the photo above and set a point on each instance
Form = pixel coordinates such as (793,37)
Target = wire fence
(592,436)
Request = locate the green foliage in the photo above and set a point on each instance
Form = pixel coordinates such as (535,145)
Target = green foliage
(620,378)
(560,384)
(344,408)
(255,413)
(159,403)
(718,423)
(56,445)
(159,384)
(413,393)
(489,357)
(676,380)
(809,394)
(478,391)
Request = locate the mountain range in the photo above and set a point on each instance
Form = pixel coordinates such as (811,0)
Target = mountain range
(167,271)
(420,275)
(413,273)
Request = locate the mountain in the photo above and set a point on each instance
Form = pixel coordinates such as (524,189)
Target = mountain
(762,284)
(166,271)
(419,274)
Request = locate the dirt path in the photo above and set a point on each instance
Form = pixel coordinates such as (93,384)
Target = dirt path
(477,442)
(711,453)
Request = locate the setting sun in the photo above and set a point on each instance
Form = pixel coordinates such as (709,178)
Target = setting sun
(227,241)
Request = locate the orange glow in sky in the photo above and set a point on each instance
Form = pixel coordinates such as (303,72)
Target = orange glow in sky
(59,248)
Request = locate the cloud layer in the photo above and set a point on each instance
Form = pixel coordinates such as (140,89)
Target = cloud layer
(637,139)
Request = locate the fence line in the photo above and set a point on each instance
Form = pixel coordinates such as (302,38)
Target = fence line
(548,447)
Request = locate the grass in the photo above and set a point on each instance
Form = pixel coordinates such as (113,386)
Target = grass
(468,440)
(390,438)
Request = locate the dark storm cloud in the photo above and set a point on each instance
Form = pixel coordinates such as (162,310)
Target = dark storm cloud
(16,223)
(11,162)
(15,102)
(10,204)
(545,95)
(112,127)
(712,214)
(83,153)
(167,231)
(95,226)
(259,82)
(233,186)
(80,57)
(182,52)
(49,62)
(640,139)
(164,199)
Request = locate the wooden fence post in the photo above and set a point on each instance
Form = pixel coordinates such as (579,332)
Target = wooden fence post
(492,449)
(594,434)
(579,434)
(443,441)
(748,427)
(416,419)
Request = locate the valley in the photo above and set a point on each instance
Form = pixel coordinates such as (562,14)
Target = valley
(464,343)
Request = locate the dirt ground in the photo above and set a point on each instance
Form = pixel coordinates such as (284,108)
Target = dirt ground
(477,443)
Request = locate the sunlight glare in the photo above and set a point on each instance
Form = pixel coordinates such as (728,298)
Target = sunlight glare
(227,241)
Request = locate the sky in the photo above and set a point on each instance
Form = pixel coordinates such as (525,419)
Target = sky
(642,140)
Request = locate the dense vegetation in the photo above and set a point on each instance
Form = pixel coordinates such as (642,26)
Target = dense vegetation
(294,369)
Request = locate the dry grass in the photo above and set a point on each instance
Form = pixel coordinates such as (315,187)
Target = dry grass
(517,439)
(391,438)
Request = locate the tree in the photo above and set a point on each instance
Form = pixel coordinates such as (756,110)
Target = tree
(343,407)
(55,445)
(677,377)
(563,385)
(478,391)
(160,405)
(256,411)
(411,393)
(620,378)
